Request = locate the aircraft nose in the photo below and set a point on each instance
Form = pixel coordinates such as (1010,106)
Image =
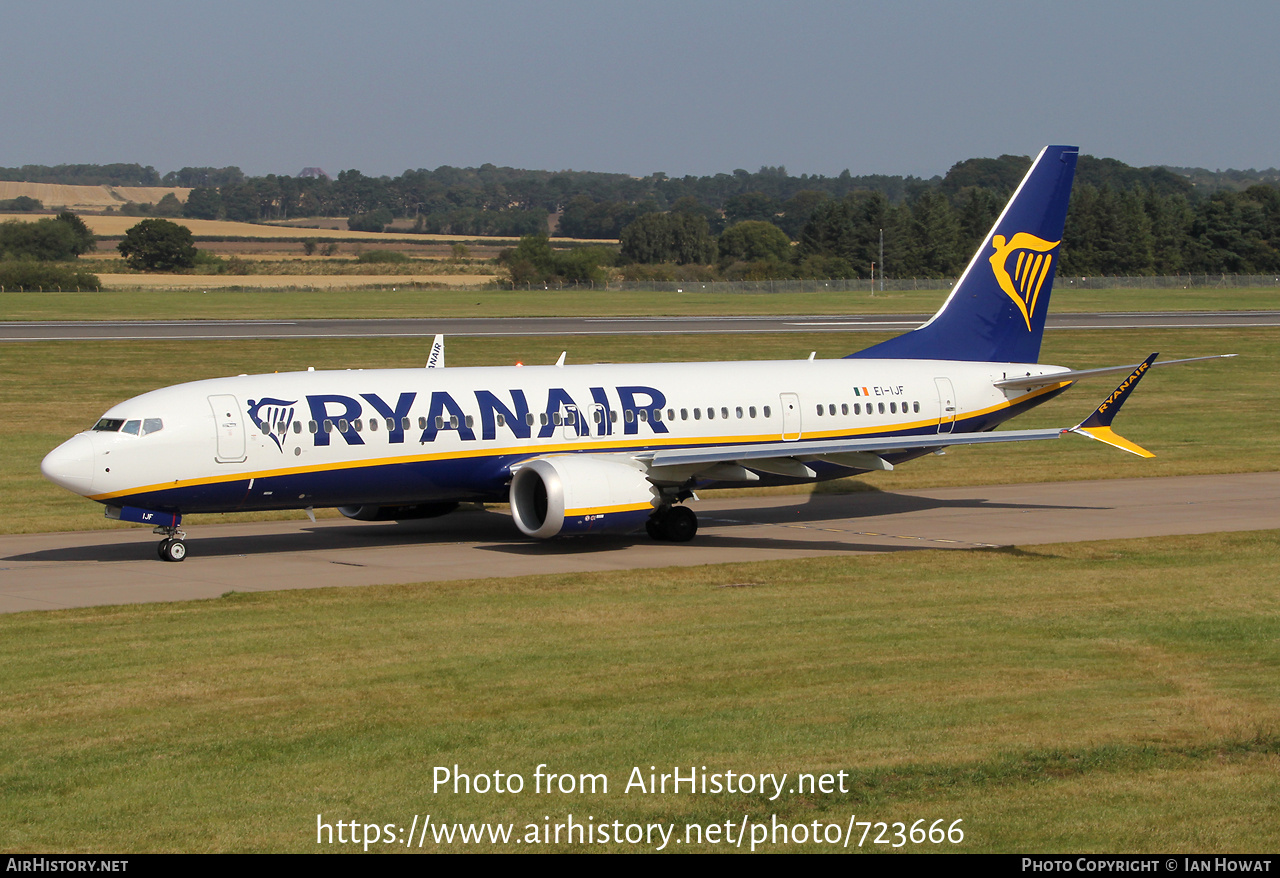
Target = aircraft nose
(70,465)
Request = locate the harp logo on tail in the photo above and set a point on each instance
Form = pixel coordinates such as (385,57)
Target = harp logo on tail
(1029,270)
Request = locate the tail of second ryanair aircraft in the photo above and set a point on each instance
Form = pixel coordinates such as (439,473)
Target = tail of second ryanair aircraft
(996,311)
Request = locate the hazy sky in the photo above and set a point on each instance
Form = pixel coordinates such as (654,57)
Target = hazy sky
(681,86)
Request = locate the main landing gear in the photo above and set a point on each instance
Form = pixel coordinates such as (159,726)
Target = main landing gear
(676,524)
(172,547)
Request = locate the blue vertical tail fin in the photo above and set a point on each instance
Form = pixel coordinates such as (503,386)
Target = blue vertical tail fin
(996,311)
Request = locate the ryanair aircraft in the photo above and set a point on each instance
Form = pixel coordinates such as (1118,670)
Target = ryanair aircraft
(592,449)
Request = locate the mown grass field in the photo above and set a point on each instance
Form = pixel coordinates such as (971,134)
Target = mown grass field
(1200,418)
(1115,696)
(265,304)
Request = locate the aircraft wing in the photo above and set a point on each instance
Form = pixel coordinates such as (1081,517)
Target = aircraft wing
(827,448)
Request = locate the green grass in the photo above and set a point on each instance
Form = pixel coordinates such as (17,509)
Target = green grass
(294,304)
(1200,418)
(1082,697)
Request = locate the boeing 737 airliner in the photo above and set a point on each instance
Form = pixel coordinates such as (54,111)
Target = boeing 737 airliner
(590,449)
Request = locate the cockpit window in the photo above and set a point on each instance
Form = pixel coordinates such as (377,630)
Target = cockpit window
(108,425)
(131,427)
(152,425)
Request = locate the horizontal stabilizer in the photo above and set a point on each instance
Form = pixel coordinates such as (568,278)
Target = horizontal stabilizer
(1077,374)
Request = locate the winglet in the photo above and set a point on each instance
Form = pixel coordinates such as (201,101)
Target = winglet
(1098,425)
(435,360)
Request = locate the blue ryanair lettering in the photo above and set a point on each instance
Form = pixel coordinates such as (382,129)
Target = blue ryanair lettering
(445,407)
(656,400)
(490,405)
(395,435)
(602,399)
(320,412)
(557,400)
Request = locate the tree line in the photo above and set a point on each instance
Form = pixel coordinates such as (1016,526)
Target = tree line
(1122,219)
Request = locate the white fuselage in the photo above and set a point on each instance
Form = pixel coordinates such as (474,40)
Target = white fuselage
(302,439)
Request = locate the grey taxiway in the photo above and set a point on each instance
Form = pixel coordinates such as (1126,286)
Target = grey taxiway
(118,566)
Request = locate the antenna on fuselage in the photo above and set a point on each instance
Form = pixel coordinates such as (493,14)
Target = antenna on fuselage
(560,362)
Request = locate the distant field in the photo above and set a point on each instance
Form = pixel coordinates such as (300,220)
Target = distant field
(116,225)
(86,197)
(288,281)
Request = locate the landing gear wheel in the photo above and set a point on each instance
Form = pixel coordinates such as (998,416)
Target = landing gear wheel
(679,524)
(653,528)
(172,550)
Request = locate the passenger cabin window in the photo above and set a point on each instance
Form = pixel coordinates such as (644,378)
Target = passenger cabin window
(767,411)
(752,411)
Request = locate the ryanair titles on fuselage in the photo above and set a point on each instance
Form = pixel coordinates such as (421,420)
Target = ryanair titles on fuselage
(334,413)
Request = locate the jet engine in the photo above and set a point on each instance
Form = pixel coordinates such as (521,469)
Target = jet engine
(398,513)
(579,494)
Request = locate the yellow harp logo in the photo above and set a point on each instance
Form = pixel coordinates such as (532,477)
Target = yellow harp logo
(1035,257)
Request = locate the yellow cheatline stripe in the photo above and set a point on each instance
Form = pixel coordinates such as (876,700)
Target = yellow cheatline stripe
(584,443)
(608,510)
(1107,435)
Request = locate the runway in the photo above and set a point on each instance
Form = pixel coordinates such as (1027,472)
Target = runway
(568,326)
(52,571)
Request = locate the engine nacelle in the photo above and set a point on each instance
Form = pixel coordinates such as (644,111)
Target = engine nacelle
(578,494)
(398,513)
